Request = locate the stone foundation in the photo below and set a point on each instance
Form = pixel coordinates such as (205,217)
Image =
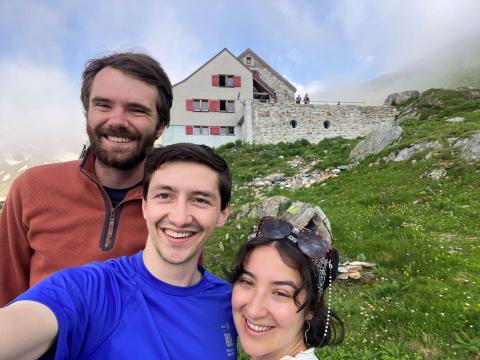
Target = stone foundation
(273,123)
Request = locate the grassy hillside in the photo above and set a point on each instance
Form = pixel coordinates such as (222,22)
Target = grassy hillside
(423,234)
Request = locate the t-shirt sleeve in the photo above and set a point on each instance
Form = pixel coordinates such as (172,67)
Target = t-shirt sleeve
(73,297)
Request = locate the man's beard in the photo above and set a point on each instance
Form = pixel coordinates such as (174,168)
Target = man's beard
(124,160)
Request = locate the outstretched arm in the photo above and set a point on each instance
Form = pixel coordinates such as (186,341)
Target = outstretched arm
(28,329)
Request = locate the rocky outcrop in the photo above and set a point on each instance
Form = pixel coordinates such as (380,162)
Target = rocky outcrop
(375,142)
(301,214)
(408,152)
(397,99)
(469,148)
(297,181)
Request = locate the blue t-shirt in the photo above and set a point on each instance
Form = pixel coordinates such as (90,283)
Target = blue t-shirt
(117,309)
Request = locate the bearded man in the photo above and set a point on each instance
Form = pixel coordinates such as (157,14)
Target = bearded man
(71,213)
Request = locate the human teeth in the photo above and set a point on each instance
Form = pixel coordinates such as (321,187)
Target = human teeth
(258,328)
(178,234)
(119,139)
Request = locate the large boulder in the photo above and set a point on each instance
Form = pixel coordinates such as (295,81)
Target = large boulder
(401,98)
(303,215)
(376,141)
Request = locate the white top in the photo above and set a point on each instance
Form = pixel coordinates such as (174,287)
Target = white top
(308,354)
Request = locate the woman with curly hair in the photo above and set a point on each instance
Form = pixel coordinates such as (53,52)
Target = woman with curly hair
(280,280)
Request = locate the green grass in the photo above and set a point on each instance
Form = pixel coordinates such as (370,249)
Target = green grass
(424,235)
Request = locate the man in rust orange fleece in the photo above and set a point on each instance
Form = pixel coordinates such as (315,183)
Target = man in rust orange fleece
(68,214)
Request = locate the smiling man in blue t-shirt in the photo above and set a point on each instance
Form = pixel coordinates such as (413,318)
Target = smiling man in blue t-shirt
(157,304)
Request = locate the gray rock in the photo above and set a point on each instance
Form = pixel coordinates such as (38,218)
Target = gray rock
(469,148)
(437,174)
(375,142)
(274,205)
(301,214)
(406,114)
(451,141)
(475,94)
(274,177)
(401,98)
(408,152)
(455,119)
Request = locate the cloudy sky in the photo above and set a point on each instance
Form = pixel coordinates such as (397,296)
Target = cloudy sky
(315,44)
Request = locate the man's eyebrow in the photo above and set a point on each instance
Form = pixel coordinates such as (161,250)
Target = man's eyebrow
(140,106)
(132,104)
(99,98)
(162,187)
(206,194)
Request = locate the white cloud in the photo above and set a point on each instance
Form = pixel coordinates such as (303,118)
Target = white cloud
(310,88)
(40,110)
(399,32)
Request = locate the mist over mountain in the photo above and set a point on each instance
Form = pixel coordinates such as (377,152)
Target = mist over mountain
(16,158)
(452,66)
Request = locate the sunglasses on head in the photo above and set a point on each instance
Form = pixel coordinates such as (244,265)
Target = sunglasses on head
(311,244)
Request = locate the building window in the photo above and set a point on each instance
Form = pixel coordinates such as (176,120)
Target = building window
(293,124)
(224,80)
(201,130)
(327,124)
(249,60)
(227,105)
(227,130)
(200,105)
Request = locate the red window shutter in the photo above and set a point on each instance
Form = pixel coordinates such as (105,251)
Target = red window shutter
(257,73)
(189,104)
(189,130)
(213,105)
(215,80)
(237,81)
(214,130)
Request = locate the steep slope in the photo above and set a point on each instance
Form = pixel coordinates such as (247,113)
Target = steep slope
(416,218)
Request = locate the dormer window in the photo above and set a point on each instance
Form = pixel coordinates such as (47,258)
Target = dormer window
(248,60)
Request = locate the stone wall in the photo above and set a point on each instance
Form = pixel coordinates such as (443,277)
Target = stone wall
(283,92)
(272,123)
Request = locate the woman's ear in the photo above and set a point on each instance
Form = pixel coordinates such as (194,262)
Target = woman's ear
(309,316)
